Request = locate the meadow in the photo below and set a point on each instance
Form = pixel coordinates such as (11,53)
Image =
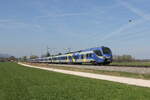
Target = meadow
(131,64)
(22,83)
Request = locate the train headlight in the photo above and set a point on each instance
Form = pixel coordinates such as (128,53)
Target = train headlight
(107,57)
(102,57)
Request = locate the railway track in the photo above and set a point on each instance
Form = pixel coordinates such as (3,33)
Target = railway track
(138,70)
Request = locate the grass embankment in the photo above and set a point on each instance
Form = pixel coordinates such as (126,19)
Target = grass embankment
(22,83)
(113,73)
(131,64)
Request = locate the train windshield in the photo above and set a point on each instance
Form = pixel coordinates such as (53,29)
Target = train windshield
(106,50)
(98,52)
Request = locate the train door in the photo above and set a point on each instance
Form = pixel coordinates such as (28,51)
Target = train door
(83,58)
(70,59)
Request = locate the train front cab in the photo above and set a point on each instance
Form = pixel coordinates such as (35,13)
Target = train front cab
(107,54)
(103,55)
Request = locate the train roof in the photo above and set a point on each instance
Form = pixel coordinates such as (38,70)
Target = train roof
(80,51)
(89,49)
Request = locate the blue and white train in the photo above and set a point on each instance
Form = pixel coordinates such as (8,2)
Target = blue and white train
(98,55)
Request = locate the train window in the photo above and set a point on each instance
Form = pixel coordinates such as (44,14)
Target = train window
(90,55)
(61,58)
(87,55)
(65,57)
(70,57)
(82,56)
(75,57)
(106,50)
(98,52)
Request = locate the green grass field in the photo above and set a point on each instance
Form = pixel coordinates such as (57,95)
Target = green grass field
(134,64)
(22,83)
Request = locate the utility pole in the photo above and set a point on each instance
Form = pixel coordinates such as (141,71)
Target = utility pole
(48,54)
(47,48)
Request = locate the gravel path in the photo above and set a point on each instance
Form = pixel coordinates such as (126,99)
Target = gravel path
(131,81)
(139,70)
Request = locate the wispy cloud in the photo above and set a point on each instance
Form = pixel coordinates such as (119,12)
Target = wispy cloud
(145,17)
(71,14)
(15,25)
(123,28)
(5,20)
(130,36)
(61,15)
(134,9)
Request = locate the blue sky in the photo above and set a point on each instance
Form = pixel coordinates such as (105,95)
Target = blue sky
(28,26)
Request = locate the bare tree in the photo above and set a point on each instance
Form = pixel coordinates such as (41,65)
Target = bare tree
(33,57)
(123,58)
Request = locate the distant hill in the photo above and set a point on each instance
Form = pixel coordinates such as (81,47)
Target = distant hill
(4,55)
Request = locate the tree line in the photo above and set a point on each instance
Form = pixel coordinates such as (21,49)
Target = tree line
(123,58)
(8,59)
